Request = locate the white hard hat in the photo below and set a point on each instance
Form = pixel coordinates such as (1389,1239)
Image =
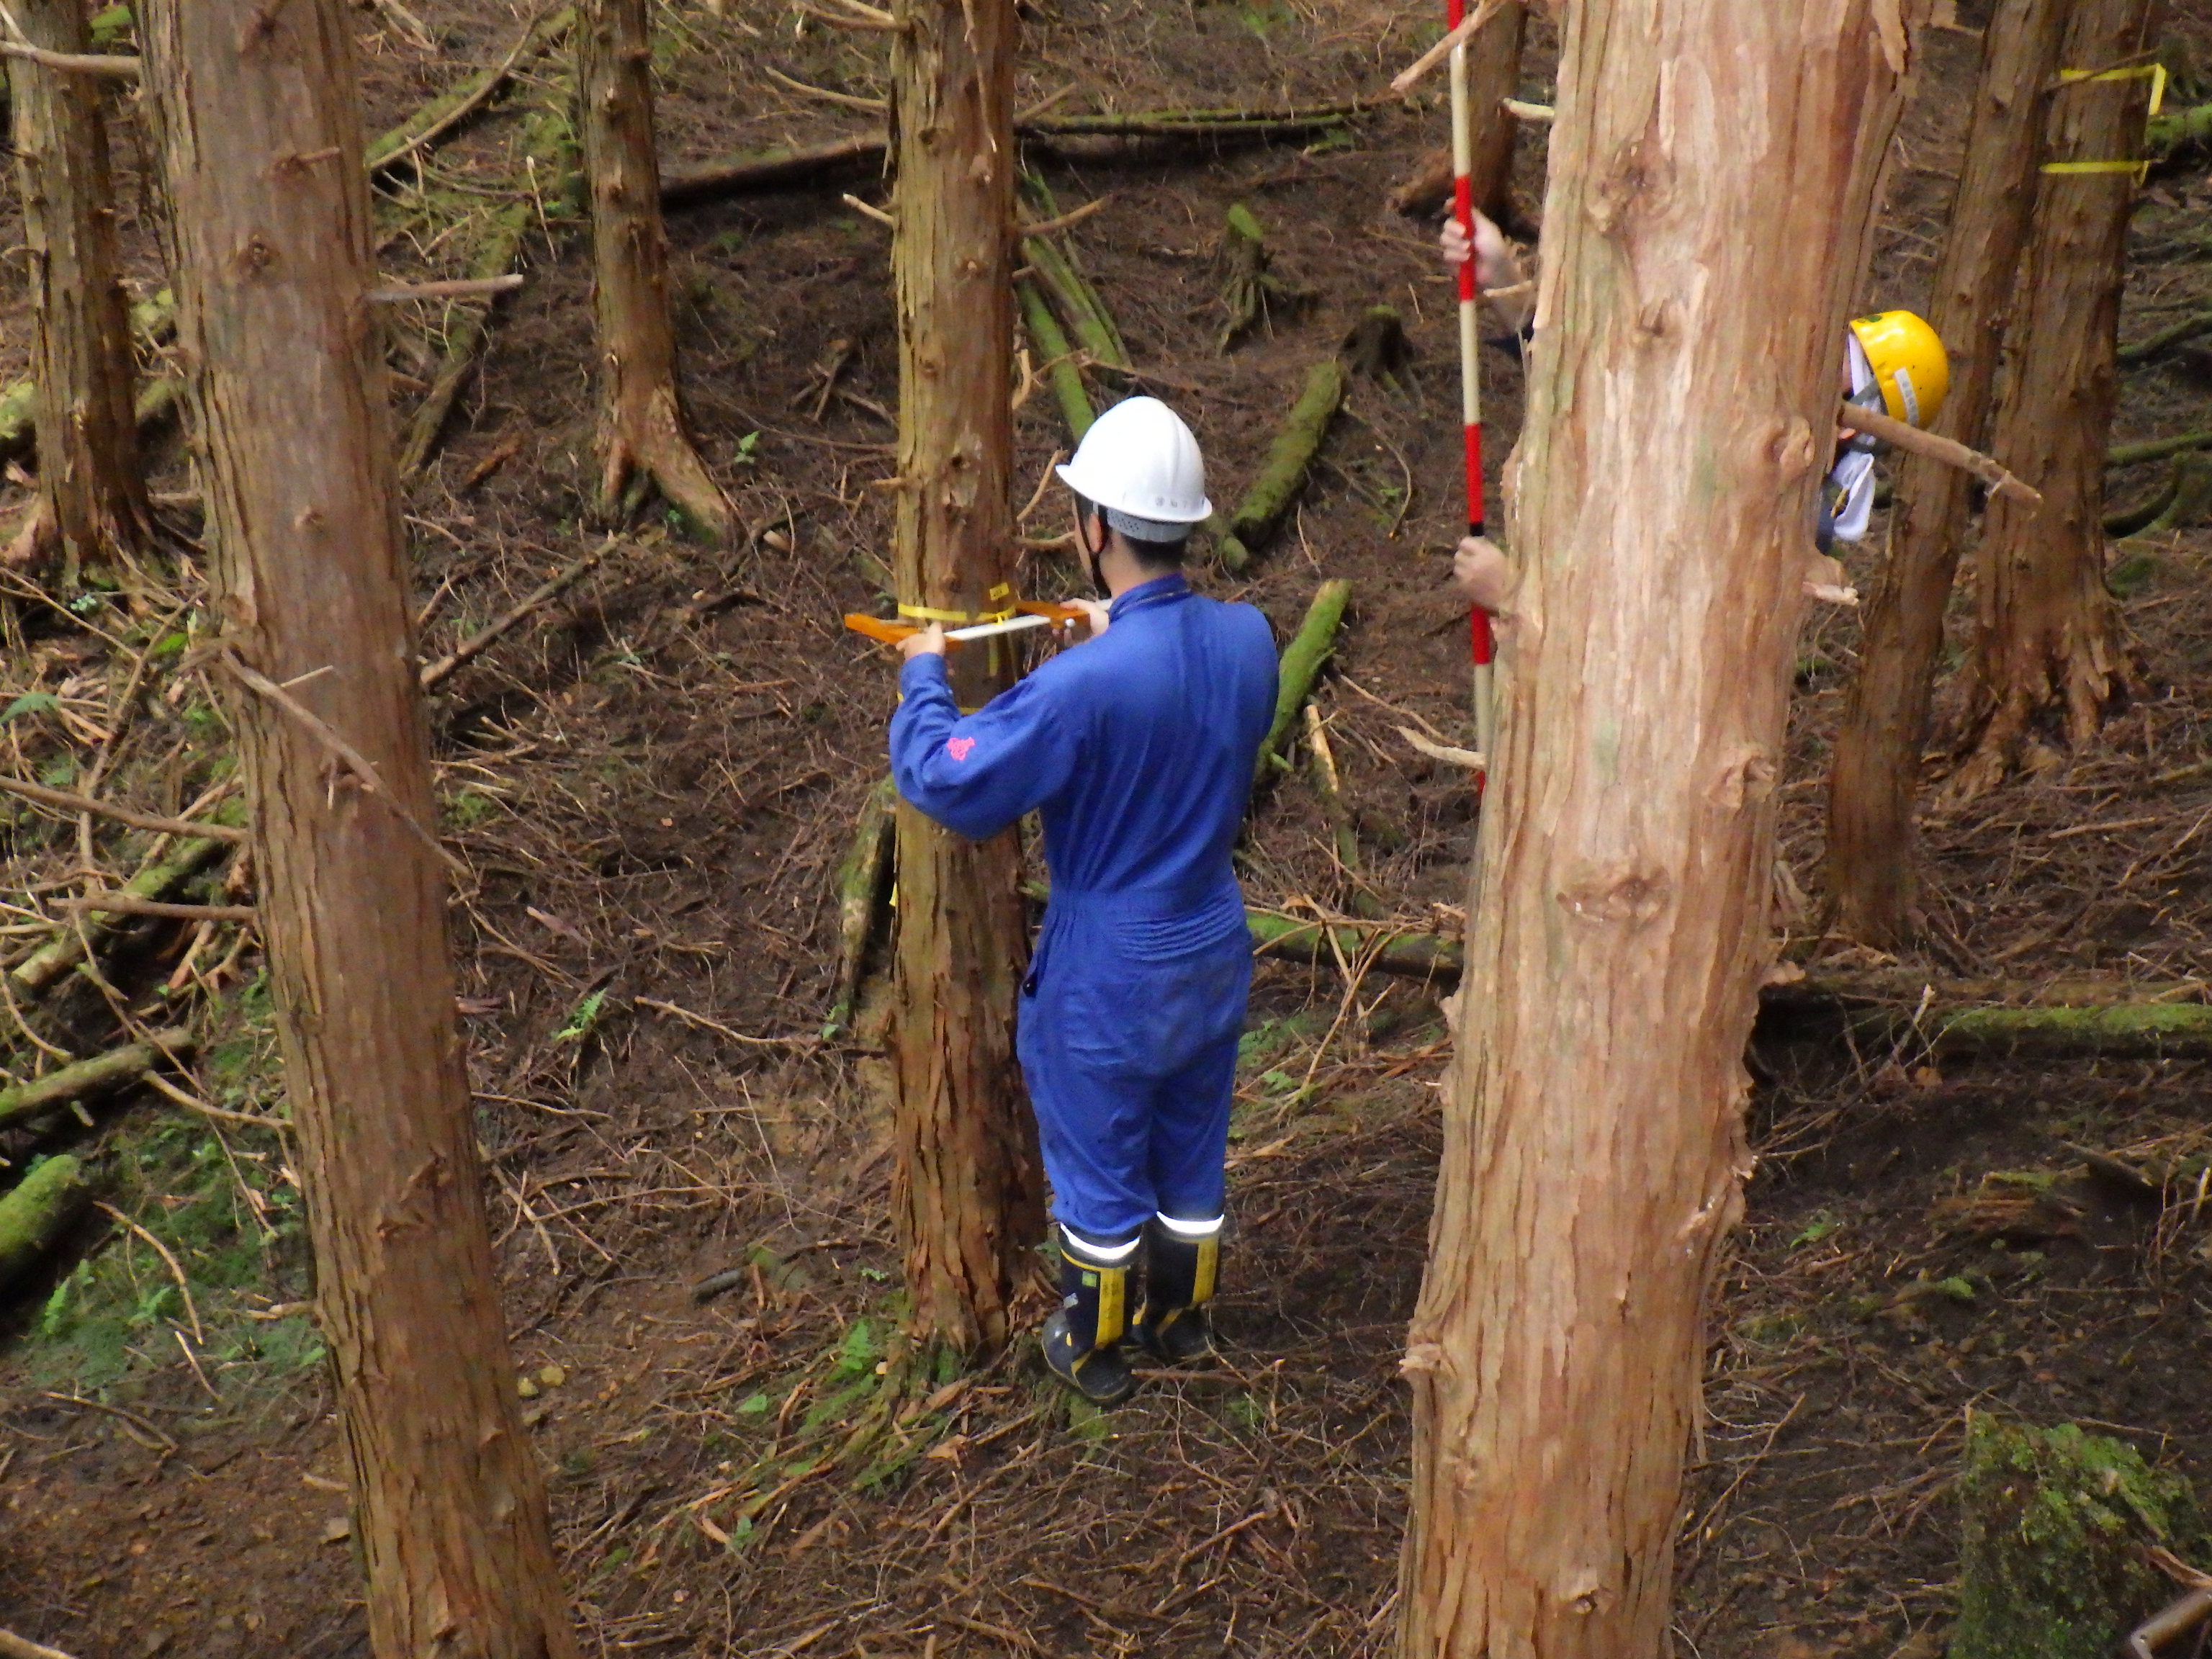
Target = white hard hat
(1140,459)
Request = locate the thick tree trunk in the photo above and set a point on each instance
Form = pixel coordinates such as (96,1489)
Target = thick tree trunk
(1493,75)
(92,496)
(643,432)
(260,143)
(1712,172)
(1876,776)
(2047,654)
(966,1190)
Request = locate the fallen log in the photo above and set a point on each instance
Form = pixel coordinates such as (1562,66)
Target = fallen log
(1051,345)
(2132,520)
(1303,658)
(37,972)
(2126,1031)
(1085,314)
(547,140)
(2177,129)
(449,111)
(1411,955)
(91,1080)
(774,169)
(863,884)
(1284,470)
(38,1212)
(2156,449)
(2185,504)
(2142,350)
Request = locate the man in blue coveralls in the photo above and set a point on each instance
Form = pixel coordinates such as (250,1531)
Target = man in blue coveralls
(1137,747)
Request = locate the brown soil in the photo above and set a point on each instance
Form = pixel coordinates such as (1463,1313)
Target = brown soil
(654,779)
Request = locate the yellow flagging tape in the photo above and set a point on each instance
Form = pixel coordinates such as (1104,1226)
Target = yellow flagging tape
(2141,169)
(924,613)
(2155,73)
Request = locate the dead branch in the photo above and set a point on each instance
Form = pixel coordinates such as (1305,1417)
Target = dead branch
(94,1079)
(1448,753)
(848,100)
(436,673)
(69,800)
(457,288)
(112,64)
(1948,451)
(13,1646)
(1435,54)
(130,905)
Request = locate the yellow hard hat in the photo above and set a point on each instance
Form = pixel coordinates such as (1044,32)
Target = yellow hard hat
(1908,365)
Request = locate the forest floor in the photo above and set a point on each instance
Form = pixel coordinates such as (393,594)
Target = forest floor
(654,778)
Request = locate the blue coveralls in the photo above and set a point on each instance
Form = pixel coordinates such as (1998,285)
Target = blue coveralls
(1137,749)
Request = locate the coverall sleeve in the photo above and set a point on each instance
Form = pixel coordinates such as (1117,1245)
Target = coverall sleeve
(977,774)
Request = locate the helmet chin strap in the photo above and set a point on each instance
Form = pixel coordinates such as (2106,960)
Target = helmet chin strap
(1090,559)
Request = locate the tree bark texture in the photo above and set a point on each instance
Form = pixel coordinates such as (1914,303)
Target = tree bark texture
(642,430)
(2047,654)
(269,228)
(1713,168)
(1874,779)
(1493,75)
(966,1189)
(92,493)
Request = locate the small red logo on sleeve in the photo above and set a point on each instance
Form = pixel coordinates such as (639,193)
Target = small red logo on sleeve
(958,747)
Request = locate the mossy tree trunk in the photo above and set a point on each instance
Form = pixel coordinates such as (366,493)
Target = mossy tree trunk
(2046,661)
(643,436)
(261,153)
(1704,233)
(966,1191)
(1876,777)
(91,502)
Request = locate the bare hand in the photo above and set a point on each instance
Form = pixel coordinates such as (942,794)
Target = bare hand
(928,642)
(1095,612)
(1481,572)
(1493,260)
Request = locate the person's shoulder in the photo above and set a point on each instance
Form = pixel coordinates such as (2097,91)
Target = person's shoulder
(1247,624)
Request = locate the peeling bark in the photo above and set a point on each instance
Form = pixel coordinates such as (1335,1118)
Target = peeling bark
(1876,777)
(1712,178)
(261,147)
(2047,659)
(643,435)
(966,1191)
(92,493)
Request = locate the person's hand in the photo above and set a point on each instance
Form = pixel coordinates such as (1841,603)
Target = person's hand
(1481,572)
(928,642)
(1494,259)
(1095,612)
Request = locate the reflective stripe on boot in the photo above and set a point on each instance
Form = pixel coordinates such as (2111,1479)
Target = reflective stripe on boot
(1183,1263)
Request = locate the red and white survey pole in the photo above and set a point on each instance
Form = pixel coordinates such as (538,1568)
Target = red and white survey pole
(1470,366)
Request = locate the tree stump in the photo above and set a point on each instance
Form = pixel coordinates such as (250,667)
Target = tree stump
(2051,1565)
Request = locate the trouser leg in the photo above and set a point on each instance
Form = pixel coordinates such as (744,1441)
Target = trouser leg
(1189,1143)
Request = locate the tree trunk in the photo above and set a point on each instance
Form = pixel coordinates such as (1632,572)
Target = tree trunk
(2047,654)
(1712,173)
(92,496)
(1493,75)
(1876,776)
(966,1190)
(260,144)
(643,435)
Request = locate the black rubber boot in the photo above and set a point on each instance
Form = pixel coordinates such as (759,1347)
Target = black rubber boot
(1179,1280)
(1083,1337)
